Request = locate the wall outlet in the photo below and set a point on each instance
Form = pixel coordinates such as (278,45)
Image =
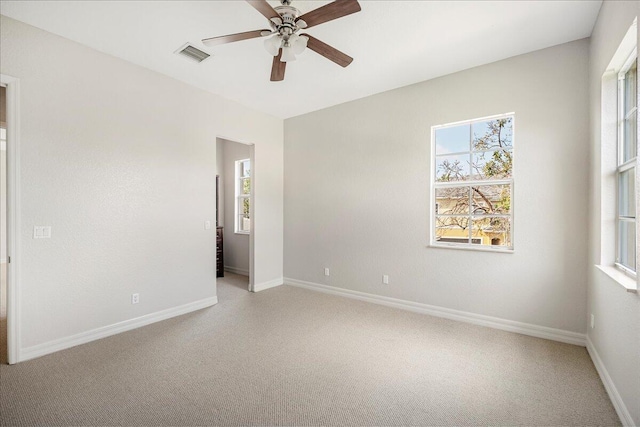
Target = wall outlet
(593,321)
(135,298)
(385,279)
(326,271)
(207,225)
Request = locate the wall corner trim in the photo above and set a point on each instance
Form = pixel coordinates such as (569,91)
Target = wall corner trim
(545,332)
(116,328)
(268,285)
(612,391)
(236,270)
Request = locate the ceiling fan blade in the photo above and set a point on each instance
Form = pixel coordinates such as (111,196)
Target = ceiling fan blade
(229,38)
(328,52)
(277,69)
(329,12)
(264,8)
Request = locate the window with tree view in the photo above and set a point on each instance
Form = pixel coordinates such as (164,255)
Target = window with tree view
(243,196)
(473,183)
(626,171)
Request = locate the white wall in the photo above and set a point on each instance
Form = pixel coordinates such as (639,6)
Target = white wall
(616,336)
(357,192)
(121,162)
(220,173)
(3,206)
(236,246)
(3,180)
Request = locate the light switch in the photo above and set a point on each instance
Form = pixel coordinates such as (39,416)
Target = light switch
(41,232)
(207,225)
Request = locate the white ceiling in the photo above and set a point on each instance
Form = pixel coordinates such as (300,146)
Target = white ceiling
(394,43)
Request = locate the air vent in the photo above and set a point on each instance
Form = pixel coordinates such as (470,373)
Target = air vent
(192,53)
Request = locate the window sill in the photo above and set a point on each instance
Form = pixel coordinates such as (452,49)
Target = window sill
(618,276)
(474,248)
(246,233)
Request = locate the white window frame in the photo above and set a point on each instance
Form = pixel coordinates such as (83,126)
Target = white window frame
(621,165)
(433,242)
(240,196)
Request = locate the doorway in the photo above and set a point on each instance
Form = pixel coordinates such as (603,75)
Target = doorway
(3,225)
(234,212)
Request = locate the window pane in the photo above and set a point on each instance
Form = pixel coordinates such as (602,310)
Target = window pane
(453,201)
(627,244)
(493,134)
(627,193)
(246,185)
(491,199)
(452,168)
(452,227)
(453,139)
(492,231)
(630,95)
(245,168)
(630,137)
(244,224)
(492,165)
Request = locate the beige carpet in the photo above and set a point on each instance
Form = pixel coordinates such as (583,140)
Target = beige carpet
(288,356)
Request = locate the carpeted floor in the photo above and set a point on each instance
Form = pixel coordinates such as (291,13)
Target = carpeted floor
(3,313)
(289,356)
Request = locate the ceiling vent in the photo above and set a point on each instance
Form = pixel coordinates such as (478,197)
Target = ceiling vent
(192,53)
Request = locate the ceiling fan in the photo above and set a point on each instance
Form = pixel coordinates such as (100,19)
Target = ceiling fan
(286,23)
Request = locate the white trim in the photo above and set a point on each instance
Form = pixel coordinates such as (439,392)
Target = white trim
(545,332)
(268,285)
(471,247)
(116,328)
(13,216)
(235,270)
(612,391)
(620,277)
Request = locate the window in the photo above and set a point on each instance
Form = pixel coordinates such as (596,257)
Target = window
(243,196)
(626,170)
(472,184)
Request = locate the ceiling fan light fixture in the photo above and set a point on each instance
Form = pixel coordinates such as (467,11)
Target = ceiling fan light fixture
(272,44)
(283,40)
(299,44)
(287,54)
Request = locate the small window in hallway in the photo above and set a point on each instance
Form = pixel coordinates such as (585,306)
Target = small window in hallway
(243,196)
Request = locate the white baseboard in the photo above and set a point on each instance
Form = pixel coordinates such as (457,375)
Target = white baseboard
(447,313)
(267,285)
(105,331)
(618,404)
(241,271)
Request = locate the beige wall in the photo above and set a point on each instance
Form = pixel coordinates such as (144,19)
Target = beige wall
(3,179)
(357,192)
(3,206)
(121,162)
(220,174)
(616,335)
(236,246)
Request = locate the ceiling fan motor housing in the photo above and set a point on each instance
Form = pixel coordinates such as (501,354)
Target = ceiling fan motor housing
(288,15)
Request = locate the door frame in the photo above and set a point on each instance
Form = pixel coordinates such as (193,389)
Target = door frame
(252,149)
(12,85)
